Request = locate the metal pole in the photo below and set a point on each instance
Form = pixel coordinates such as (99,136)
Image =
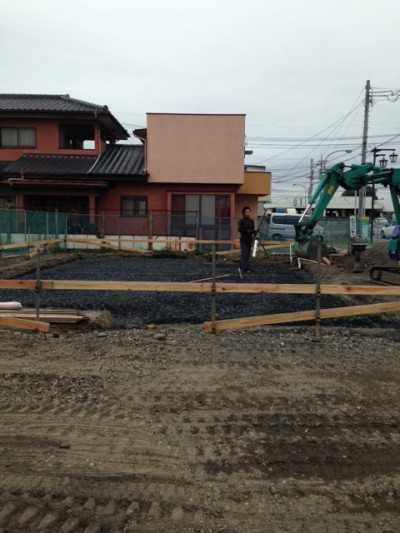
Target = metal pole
(362,191)
(150,231)
(119,233)
(311,186)
(213,292)
(372,212)
(37,288)
(374,151)
(318,295)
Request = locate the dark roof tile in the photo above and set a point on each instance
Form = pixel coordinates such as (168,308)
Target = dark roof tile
(50,164)
(46,102)
(121,159)
(118,160)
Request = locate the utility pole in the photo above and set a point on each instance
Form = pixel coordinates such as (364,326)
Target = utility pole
(311,186)
(362,191)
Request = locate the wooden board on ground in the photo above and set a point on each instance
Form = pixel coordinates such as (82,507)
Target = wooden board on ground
(50,317)
(19,323)
(282,318)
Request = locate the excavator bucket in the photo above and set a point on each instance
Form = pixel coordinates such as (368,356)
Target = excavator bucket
(309,250)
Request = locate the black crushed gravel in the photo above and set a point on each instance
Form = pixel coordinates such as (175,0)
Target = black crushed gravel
(130,309)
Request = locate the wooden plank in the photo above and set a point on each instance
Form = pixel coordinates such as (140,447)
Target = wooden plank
(210,278)
(60,316)
(45,317)
(19,323)
(26,244)
(140,286)
(228,252)
(168,240)
(44,248)
(360,290)
(276,244)
(265,288)
(43,311)
(107,285)
(302,316)
(204,287)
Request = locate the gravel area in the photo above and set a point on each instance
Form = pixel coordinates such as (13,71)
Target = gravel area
(130,309)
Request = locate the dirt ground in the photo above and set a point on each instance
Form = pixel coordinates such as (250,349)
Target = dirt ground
(171,429)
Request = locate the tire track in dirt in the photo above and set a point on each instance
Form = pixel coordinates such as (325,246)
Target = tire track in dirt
(79,453)
(258,431)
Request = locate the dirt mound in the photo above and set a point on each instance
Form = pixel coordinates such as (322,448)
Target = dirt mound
(342,271)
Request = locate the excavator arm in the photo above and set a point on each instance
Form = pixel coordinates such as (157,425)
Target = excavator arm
(355,178)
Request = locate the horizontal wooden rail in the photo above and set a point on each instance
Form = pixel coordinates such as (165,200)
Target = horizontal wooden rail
(109,242)
(172,240)
(29,244)
(302,316)
(223,288)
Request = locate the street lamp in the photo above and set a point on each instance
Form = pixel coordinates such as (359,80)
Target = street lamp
(382,163)
(323,162)
(305,192)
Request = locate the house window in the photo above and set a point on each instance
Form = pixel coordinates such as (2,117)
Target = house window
(77,137)
(17,137)
(132,206)
(204,207)
(204,216)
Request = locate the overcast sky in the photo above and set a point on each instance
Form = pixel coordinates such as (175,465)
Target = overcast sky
(296,68)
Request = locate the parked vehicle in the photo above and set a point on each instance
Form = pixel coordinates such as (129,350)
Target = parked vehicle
(281,226)
(381,221)
(387,231)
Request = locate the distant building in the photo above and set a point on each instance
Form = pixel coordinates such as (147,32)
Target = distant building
(339,206)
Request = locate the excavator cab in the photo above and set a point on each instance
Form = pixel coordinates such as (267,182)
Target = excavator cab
(394,244)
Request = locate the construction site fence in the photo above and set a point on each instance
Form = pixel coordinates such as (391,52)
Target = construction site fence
(22,226)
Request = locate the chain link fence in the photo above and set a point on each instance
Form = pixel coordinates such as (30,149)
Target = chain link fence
(22,227)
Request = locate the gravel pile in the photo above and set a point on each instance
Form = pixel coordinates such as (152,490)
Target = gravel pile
(131,309)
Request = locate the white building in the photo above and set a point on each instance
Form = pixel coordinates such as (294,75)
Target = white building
(341,206)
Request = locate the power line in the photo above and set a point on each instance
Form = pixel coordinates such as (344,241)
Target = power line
(316,135)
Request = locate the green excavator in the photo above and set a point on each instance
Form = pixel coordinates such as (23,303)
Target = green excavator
(350,178)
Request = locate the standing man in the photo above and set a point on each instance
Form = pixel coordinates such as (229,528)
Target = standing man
(247,232)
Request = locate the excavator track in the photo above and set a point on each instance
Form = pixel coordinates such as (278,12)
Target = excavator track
(385,275)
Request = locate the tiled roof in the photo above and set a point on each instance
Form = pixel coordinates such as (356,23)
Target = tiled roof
(47,102)
(32,105)
(116,161)
(50,164)
(121,159)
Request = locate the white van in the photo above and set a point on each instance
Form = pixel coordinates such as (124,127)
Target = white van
(281,226)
